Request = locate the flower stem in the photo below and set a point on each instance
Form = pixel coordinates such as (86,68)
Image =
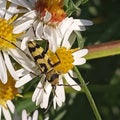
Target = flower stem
(103,50)
(88,94)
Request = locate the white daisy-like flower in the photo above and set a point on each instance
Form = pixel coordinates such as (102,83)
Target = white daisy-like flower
(8,42)
(7,93)
(48,19)
(25,116)
(68,58)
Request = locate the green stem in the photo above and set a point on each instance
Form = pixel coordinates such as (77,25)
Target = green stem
(88,94)
(103,50)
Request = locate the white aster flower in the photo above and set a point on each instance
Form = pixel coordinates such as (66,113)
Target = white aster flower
(25,116)
(68,58)
(7,40)
(7,93)
(48,19)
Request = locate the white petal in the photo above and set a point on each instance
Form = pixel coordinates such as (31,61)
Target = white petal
(10,66)
(3,71)
(47,17)
(22,3)
(11,106)
(81,28)
(35,115)
(46,95)
(48,35)
(48,32)
(66,44)
(6,114)
(65,25)
(69,32)
(22,59)
(59,37)
(40,95)
(29,118)
(10,11)
(60,95)
(2,8)
(24,22)
(54,102)
(58,102)
(60,91)
(83,22)
(47,118)
(39,30)
(77,57)
(68,25)
(79,61)
(28,36)
(72,83)
(37,90)
(53,36)
(73,26)
(80,53)
(23,80)
(24,115)
(21,72)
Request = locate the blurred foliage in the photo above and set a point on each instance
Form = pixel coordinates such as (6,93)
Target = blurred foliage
(72,6)
(102,74)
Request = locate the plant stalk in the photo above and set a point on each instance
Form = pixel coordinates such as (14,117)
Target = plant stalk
(88,94)
(103,50)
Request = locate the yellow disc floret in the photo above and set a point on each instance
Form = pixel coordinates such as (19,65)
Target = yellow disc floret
(6,34)
(8,91)
(64,57)
(55,7)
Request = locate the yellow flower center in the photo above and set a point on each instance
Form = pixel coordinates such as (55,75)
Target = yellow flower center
(6,34)
(64,58)
(8,91)
(55,7)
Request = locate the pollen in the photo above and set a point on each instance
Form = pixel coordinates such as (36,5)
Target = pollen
(64,58)
(6,34)
(55,7)
(8,91)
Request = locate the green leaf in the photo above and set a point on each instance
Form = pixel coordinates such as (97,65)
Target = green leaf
(71,7)
(83,1)
(25,104)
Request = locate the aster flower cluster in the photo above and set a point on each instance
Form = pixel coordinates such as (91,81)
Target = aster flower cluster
(23,22)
